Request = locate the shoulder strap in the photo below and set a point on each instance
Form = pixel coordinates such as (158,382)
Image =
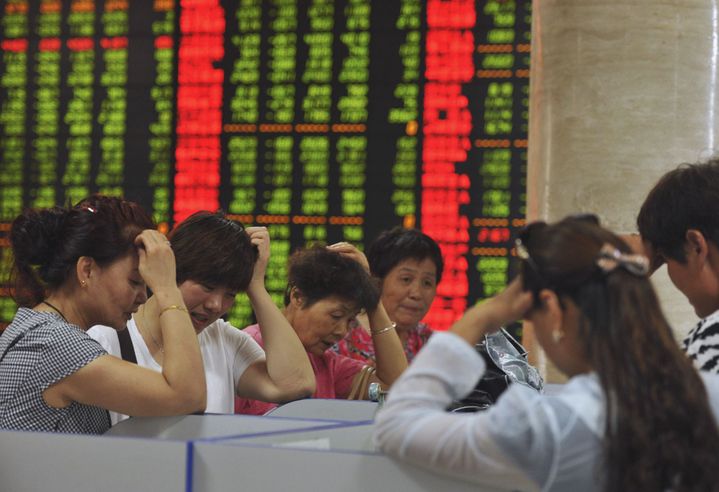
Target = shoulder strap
(126,348)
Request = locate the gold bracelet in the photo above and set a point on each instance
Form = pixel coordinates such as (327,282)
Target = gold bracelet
(174,306)
(385,329)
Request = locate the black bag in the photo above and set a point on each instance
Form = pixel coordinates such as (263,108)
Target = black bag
(506,361)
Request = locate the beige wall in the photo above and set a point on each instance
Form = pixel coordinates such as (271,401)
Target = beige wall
(621,92)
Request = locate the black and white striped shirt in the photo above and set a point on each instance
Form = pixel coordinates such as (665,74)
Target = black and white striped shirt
(702,344)
(37,350)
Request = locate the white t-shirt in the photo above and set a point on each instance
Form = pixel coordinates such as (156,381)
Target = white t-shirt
(226,353)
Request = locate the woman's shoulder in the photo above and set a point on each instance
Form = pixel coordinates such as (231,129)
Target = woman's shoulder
(43,339)
(225,333)
(42,328)
(237,334)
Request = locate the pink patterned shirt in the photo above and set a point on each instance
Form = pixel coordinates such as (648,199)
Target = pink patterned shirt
(334,374)
(358,345)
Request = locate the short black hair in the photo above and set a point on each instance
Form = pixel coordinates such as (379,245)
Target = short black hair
(398,244)
(214,250)
(685,198)
(318,273)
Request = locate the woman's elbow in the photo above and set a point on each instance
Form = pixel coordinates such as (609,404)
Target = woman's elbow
(295,388)
(305,387)
(193,399)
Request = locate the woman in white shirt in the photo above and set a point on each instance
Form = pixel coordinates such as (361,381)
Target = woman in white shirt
(596,315)
(216,259)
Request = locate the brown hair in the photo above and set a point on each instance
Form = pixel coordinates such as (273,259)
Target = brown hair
(660,432)
(214,250)
(320,273)
(46,243)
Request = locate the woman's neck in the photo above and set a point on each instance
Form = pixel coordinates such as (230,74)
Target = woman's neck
(66,306)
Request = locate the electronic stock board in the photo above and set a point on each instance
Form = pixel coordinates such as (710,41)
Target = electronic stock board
(323,120)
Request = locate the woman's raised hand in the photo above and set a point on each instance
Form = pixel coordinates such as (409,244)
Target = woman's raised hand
(157,261)
(488,316)
(509,305)
(260,237)
(348,250)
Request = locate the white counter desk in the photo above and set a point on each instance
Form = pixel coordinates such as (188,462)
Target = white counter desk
(212,453)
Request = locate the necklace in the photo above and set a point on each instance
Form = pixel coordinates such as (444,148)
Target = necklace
(56,309)
(149,331)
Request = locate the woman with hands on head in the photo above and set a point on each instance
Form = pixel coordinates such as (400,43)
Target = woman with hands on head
(74,268)
(635,414)
(409,265)
(327,288)
(216,259)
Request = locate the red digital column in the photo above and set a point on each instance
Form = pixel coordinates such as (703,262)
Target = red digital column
(447,125)
(199,107)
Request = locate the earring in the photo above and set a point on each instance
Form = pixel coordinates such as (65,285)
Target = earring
(83,283)
(557,335)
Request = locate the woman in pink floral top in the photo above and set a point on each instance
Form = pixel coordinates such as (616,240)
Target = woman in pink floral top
(409,265)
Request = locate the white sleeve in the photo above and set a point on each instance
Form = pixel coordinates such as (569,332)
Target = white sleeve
(414,426)
(241,348)
(107,337)
(711,383)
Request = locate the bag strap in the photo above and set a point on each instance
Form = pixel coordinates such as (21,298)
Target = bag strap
(126,348)
(361,383)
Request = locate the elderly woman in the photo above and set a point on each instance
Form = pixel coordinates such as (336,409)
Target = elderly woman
(409,264)
(216,259)
(327,289)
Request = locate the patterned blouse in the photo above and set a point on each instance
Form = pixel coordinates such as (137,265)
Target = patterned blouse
(37,350)
(702,344)
(358,343)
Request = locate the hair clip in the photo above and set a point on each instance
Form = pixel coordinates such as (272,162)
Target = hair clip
(521,249)
(88,208)
(609,258)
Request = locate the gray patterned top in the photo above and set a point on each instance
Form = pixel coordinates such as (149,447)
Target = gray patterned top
(37,350)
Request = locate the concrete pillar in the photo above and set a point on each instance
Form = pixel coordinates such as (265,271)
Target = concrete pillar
(621,92)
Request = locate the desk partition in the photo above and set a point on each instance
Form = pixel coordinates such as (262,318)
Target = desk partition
(317,408)
(195,427)
(37,461)
(307,460)
(211,453)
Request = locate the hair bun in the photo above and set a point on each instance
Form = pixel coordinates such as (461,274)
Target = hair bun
(35,235)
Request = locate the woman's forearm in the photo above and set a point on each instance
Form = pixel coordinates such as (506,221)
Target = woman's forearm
(288,366)
(182,365)
(389,354)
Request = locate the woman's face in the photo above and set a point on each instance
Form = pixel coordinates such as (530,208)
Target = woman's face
(206,303)
(322,324)
(118,290)
(408,291)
